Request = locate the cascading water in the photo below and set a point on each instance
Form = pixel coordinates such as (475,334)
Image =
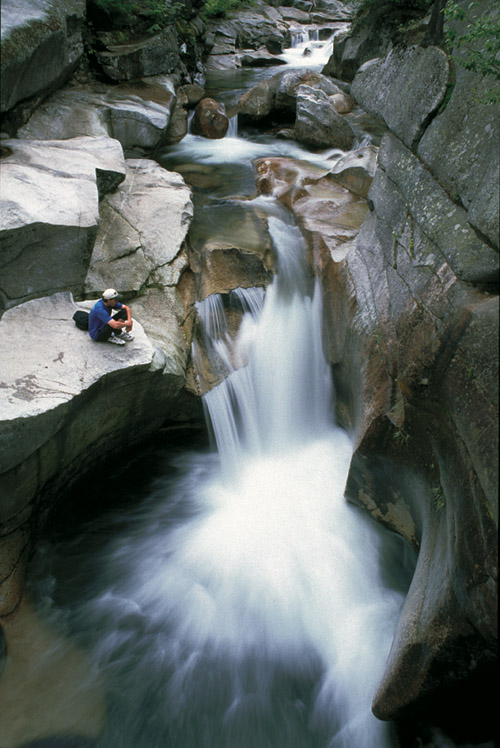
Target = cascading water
(260,618)
(243,603)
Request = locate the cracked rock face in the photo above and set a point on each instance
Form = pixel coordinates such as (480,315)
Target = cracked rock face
(418,79)
(50,212)
(142,231)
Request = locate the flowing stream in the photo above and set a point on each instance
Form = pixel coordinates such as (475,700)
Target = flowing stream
(238,601)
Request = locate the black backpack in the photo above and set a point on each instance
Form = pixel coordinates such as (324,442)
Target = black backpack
(81,319)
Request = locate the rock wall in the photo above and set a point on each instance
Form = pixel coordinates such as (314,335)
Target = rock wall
(412,314)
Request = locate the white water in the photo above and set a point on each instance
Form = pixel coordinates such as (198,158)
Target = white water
(245,604)
(261,619)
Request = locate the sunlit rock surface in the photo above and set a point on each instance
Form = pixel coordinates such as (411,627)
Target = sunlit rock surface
(137,115)
(142,228)
(69,401)
(50,212)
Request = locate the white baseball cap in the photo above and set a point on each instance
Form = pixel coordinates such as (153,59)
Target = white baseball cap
(109,293)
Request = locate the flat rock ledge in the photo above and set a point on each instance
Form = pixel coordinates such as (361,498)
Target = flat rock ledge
(68,402)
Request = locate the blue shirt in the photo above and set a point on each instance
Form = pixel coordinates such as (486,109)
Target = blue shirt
(100,314)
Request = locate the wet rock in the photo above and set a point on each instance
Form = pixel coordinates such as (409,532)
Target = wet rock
(289,82)
(152,56)
(330,213)
(356,170)
(404,89)
(224,268)
(259,101)
(50,212)
(194,93)
(317,122)
(404,339)
(259,58)
(210,119)
(343,103)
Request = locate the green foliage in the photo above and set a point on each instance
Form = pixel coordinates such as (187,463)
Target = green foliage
(401,437)
(438,498)
(475,39)
(218,8)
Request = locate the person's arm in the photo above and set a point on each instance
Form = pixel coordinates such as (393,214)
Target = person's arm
(129,314)
(119,324)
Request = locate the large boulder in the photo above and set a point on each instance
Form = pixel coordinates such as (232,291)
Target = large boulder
(50,212)
(68,403)
(289,82)
(404,89)
(41,46)
(356,169)
(318,123)
(210,119)
(137,115)
(142,230)
(352,48)
(258,102)
(279,93)
(138,59)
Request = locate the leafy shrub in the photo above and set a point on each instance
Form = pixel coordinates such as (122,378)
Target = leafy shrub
(476,42)
(219,8)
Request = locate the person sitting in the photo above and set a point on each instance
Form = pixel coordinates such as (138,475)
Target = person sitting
(104,326)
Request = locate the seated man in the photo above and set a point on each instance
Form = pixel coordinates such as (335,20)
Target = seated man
(105,327)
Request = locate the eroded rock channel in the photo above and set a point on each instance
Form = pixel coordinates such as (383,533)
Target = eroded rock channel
(304,221)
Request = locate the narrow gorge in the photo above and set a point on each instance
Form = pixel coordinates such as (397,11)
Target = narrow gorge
(271,519)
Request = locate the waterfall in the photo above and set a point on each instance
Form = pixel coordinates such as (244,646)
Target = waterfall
(251,606)
(232,130)
(242,602)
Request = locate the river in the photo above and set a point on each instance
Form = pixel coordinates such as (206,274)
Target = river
(229,596)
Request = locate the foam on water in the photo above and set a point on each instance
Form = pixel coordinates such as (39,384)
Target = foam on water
(261,618)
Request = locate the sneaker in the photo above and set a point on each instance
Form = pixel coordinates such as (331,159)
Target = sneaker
(126,336)
(115,339)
